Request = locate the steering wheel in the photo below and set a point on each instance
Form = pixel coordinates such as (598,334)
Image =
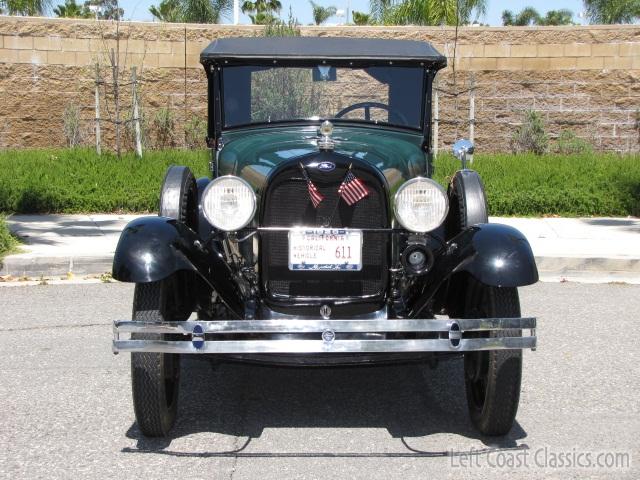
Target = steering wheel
(367,106)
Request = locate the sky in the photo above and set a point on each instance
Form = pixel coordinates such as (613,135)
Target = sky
(139,9)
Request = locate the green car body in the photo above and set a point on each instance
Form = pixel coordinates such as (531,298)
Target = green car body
(253,153)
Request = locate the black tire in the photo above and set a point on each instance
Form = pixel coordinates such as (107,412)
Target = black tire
(492,378)
(155,377)
(467,202)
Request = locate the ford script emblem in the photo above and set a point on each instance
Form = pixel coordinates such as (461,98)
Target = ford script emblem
(328,336)
(326,166)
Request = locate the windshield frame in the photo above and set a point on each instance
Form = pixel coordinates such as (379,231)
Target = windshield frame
(424,98)
(215,127)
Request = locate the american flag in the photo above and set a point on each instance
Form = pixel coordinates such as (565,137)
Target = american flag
(352,189)
(314,193)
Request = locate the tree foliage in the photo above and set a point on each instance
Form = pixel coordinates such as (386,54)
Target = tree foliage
(321,14)
(530,137)
(612,11)
(280,28)
(261,12)
(530,16)
(427,12)
(167,11)
(191,11)
(71,9)
(31,8)
(360,18)
(107,9)
(558,17)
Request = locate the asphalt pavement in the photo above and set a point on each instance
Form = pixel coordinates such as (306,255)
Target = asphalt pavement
(66,401)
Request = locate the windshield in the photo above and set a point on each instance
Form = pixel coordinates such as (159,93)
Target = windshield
(258,94)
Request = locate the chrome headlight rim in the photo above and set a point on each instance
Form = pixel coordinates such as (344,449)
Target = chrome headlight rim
(211,184)
(411,182)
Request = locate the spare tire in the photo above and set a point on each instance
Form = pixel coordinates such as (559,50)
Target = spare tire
(179,200)
(179,196)
(467,202)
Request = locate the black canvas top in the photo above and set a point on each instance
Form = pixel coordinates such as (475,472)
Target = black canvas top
(321,48)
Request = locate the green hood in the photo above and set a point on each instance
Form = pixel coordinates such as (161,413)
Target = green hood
(253,153)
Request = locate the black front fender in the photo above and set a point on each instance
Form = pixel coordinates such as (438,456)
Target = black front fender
(497,255)
(494,254)
(152,248)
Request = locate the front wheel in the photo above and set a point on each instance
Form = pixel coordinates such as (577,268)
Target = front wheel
(155,377)
(492,378)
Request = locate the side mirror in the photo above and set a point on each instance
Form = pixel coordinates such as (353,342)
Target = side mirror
(461,149)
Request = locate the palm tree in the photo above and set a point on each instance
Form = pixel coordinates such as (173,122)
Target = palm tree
(167,11)
(261,12)
(612,11)
(71,9)
(321,14)
(191,11)
(558,17)
(378,8)
(360,18)
(427,12)
(530,16)
(204,11)
(31,8)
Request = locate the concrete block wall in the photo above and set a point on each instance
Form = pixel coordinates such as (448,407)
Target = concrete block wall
(586,79)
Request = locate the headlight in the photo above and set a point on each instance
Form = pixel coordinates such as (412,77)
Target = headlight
(421,205)
(228,203)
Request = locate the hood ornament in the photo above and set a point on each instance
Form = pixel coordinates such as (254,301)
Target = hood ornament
(325,311)
(325,142)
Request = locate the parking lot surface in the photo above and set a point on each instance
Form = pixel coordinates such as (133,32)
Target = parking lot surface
(66,401)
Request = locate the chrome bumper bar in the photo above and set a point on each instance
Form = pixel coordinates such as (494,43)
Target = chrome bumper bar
(447,335)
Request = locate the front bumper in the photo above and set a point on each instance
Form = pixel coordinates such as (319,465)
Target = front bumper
(326,336)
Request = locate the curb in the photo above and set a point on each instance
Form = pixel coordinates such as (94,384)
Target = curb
(597,265)
(552,269)
(18,266)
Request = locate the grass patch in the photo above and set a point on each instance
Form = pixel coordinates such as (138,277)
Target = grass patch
(78,181)
(8,242)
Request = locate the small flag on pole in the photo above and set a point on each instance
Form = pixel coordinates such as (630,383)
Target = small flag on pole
(352,189)
(314,193)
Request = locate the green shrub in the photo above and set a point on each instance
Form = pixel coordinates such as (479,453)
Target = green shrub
(279,28)
(195,132)
(530,137)
(78,181)
(570,144)
(8,242)
(164,127)
(71,125)
(568,185)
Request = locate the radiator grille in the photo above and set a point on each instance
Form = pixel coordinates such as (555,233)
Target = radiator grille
(288,204)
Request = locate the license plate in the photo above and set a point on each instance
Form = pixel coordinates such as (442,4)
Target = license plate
(325,249)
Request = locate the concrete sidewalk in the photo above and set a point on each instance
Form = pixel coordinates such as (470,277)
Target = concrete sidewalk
(578,249)
(54,245)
